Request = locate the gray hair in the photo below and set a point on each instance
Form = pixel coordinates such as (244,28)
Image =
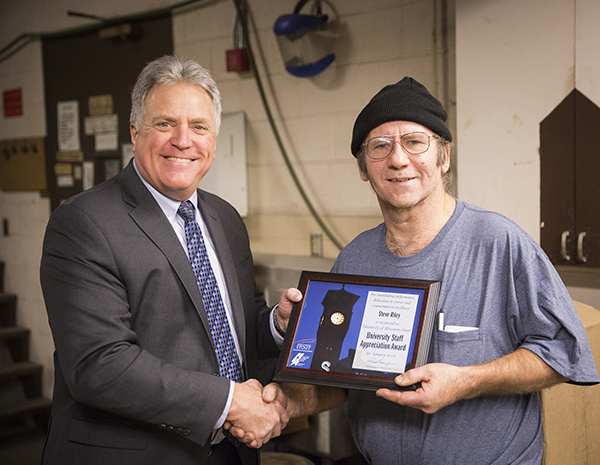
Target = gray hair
(166,71)
(443,146)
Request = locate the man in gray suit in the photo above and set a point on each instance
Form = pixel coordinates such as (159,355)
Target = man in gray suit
(137,377)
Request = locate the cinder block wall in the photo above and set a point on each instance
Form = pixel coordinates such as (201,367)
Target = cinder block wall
(380,42)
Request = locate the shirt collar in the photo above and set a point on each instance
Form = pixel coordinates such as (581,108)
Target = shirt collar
(168,205)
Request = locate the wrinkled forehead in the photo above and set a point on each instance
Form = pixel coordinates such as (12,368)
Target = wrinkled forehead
(397,128)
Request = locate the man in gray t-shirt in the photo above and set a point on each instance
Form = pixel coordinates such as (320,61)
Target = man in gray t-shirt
(510,326)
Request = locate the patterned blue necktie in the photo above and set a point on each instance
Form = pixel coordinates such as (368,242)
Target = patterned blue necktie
(229,363)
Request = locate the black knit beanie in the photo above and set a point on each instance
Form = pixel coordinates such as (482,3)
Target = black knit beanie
(406,100)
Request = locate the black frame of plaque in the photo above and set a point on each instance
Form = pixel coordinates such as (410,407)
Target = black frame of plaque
(329,301)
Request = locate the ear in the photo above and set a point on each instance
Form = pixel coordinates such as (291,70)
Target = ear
(364,176)
(446,165)
(133,133)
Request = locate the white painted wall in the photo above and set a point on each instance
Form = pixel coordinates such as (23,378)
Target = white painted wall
(515,62)
(26,212)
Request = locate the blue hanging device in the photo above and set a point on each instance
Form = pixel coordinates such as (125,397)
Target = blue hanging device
(304,41)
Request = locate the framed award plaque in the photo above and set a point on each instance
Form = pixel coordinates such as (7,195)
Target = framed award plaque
(357,332)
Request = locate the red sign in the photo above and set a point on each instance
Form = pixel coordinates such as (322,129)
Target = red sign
(13,103)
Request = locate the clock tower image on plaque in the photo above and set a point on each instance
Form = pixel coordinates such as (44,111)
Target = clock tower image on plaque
(334,324)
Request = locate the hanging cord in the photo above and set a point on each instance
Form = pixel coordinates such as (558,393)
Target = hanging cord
(236,28)
(243,20)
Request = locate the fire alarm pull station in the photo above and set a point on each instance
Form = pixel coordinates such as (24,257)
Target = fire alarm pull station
(237,60)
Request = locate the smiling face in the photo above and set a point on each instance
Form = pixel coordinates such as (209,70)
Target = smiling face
(175,146)
(403,181)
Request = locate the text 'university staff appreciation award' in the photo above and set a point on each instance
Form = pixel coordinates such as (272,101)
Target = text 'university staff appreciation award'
(357,332)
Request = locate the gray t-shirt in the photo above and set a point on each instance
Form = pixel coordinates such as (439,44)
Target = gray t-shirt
(495,279)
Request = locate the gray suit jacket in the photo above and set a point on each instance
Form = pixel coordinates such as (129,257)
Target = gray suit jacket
(136,377)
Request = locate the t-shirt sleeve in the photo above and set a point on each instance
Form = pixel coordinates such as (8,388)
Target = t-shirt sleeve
(548,324)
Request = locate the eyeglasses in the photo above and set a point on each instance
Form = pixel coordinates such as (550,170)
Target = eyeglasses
(414,143)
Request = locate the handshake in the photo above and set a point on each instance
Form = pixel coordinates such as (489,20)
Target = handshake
(257,414)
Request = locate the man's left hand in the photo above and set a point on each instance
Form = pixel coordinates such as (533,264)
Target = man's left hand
(441,385)
(288,298)
(519,372)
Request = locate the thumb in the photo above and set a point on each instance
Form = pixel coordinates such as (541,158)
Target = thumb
(270,392)
(408,379)
(292,295)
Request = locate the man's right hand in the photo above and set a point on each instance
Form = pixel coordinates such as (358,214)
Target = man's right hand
(299,400)
(251,414)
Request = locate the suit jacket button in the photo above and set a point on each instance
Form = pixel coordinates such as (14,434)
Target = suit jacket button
(170,427)
(162,426)
(178,430)
(186,432)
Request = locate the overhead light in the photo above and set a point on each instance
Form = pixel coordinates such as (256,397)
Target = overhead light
(122,32)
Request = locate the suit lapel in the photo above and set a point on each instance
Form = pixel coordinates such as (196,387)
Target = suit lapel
(217,234)
(150,218)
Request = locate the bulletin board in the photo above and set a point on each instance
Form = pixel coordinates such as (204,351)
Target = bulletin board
(22,165)
(88,79)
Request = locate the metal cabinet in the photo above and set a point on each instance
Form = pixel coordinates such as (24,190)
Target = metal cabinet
(570,182)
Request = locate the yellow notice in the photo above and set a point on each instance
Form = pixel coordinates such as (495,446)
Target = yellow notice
(72,157)
(63,168)
(100,105)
